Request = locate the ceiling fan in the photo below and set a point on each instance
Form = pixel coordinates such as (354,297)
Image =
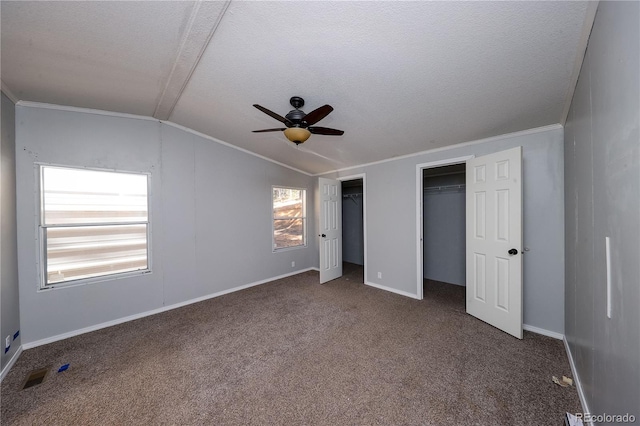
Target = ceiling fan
(299,124)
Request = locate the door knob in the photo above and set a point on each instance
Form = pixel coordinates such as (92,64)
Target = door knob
(323,235)
(513,252)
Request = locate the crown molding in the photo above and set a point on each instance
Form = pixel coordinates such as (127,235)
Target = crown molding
(8,92)
(457,145)
(30,104)
(535,130)
(211,138)
(41,105)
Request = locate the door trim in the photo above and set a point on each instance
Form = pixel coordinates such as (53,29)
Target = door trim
(362,176)
(419,213)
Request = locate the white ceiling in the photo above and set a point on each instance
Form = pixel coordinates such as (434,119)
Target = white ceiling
(403,77)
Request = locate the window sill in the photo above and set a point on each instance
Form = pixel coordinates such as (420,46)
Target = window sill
(288,248)
(93,280)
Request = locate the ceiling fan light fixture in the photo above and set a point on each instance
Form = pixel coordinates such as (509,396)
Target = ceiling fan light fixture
(297,135)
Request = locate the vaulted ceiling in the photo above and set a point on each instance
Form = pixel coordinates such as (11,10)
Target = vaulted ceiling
(403,77)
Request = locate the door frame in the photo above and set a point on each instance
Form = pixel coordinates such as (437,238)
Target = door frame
(420,213)
(362,176)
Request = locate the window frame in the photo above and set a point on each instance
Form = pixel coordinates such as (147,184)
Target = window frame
(304,220)
(41,230)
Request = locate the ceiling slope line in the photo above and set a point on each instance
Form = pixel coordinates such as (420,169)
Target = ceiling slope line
(164,102)
(449,147)
(5,89)
(590,17)
(197,37)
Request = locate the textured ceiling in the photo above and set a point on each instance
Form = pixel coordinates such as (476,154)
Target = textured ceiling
(403,77)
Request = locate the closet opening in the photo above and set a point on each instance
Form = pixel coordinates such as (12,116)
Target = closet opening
(444,235)
(353,228)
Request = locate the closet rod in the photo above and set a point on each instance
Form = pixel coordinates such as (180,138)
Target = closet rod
(352,197)
(443,187)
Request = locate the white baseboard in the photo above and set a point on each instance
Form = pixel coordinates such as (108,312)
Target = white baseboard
(392,290)
(527,327)
(542,331)
(47,340)
(12,361)
(576,380)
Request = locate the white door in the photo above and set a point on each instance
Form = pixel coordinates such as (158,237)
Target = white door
(494,239)
(330,229)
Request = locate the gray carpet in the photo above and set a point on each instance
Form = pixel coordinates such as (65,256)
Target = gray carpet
(296,352)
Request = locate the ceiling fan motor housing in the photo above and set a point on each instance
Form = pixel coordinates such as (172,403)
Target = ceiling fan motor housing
(295,116)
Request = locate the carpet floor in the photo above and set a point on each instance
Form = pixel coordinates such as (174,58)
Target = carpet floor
(295,352)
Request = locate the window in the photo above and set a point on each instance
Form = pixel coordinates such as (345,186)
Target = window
(289,218)
(92,224)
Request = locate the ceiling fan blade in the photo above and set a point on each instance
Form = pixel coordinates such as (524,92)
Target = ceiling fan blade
(273,114)
(325,131)
(269,130)
(317,114)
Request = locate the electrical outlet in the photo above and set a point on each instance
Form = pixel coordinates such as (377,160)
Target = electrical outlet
(380,275)
(7,342)
(293,264)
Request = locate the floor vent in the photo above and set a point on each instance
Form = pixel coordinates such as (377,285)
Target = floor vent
(36,377)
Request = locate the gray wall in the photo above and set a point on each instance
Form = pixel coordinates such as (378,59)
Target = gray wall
(352,226)
(443,228)
(391,220)
(210,216)
(602,178)
(10,312)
